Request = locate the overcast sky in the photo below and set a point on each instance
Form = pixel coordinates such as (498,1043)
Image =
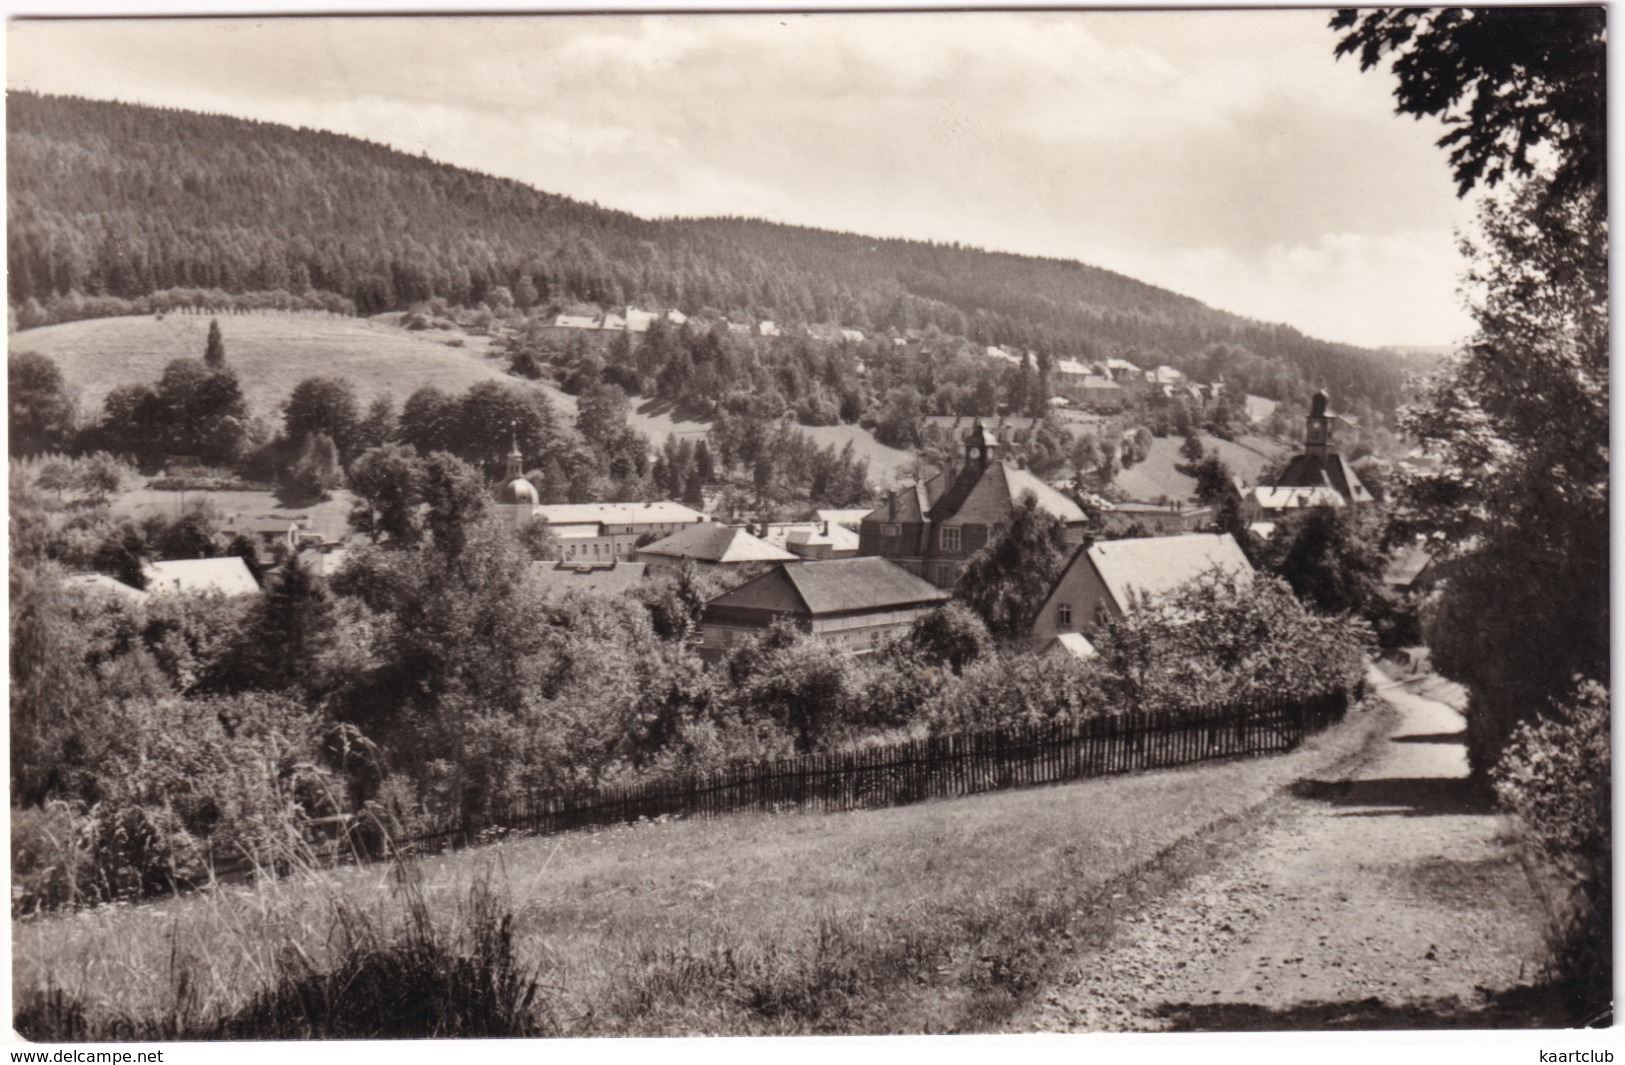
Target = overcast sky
(1224,155)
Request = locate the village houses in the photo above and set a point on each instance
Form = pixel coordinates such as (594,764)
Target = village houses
(1316,477)
(855,603)
(932,528)
(1108,577)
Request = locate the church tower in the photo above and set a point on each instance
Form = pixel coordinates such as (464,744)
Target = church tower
(1318,440)
(981,446)
(517,497)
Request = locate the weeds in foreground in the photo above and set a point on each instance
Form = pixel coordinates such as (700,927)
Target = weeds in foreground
(462,978)
(943,917)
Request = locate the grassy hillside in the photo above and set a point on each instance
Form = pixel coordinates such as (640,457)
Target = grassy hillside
(270,352)
(1156,476)
(935,917)
(274,352)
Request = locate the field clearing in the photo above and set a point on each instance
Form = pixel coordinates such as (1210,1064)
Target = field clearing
(270,352)
(935,917)
(1156,476)
(330,517)
(886,464)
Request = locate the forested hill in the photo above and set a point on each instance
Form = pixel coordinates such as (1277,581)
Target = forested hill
(123,200)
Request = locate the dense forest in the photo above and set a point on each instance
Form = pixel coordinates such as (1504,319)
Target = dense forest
(118,200)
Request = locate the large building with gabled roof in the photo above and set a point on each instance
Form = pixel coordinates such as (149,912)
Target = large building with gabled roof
(712,546)
(1318,476)
(1109,576)
(934,526)
(855,603)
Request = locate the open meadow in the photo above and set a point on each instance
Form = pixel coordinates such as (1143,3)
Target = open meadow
(270,352)
(1158,474)
(944,916)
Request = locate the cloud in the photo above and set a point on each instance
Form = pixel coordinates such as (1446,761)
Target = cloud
(1220,153)
(1392,289)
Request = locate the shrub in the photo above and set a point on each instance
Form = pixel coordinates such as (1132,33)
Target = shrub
(463,980)
(1555,776)
(48,857)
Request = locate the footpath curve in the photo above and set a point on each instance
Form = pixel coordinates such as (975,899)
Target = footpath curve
(1390,899)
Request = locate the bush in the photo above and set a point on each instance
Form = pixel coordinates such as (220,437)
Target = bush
(48,857)
(1555,776)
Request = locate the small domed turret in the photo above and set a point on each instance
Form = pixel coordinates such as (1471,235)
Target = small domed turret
(516,490)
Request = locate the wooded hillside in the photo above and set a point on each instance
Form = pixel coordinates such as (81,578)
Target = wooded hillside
(123,200)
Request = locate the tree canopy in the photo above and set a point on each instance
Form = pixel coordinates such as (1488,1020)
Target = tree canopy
(1507,79)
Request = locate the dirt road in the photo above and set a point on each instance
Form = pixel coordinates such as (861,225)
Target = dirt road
(1386,900)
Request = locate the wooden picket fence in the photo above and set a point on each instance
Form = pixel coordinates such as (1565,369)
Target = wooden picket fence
(936,767)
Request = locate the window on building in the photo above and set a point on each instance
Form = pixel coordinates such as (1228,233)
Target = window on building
(891,529)
(950,538)
(1063,615)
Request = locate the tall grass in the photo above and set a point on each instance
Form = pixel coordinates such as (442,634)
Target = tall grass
(945,916)
(392,972)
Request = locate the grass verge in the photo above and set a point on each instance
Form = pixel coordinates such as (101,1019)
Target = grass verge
(941,917)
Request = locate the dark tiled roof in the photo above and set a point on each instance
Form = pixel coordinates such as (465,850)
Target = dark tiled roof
(859,584)
(832,587)
(1312,471)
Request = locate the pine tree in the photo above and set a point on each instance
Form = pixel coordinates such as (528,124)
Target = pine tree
(214,355)
(293,619)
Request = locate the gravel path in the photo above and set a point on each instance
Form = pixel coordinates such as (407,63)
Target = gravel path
(1387,900)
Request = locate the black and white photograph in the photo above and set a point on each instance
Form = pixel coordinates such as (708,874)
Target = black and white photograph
(1019,523)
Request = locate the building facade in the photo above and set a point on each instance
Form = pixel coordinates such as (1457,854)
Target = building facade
(932,528)
(1107,577)
(1316,477)
(853,603)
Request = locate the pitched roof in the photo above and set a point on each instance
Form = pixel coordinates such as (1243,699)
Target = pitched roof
(711,542)
(782,534)
(833,586)
(664,512)
(1286,498)
(558,578)
(998,489)
(1313,471)
(227,576)
(911,504)
(102,584)
(1406,565)
(1157,565)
